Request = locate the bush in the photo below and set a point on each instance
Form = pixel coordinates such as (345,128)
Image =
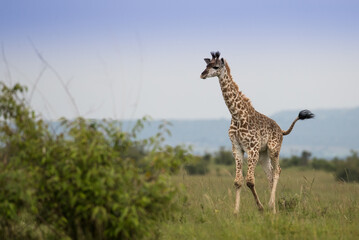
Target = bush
(199,166)
(83,183)
(224,157)
(344,169)
(348,169)
(16,200)
(322,164)
(295,161)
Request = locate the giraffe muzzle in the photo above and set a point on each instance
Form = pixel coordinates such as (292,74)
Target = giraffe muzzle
(204,75)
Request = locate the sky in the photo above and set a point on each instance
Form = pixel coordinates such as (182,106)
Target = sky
(127,59)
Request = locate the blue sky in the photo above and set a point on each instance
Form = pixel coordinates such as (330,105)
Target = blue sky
(126,59)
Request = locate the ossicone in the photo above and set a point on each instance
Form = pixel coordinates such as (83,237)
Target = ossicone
(218,54)
(215,55)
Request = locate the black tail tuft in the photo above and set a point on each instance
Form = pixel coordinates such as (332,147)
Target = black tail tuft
(305,114)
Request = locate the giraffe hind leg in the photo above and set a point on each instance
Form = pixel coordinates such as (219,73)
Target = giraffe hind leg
(274,156)
(265,162)
(252,162)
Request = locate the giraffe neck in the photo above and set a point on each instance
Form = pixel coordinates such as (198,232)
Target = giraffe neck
(238,104)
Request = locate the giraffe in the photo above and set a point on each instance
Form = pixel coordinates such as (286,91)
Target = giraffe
(250,132)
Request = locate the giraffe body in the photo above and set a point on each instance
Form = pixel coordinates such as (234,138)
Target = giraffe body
(250,132)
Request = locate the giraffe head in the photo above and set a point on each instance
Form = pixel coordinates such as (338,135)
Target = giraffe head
(215,66)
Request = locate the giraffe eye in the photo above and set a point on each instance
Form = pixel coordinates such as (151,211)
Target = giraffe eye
(215,68)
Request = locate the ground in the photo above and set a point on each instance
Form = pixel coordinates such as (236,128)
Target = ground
(312,205)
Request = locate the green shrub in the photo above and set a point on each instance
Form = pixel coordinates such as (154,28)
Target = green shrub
(295,161)
(224,157)
(199,166)
(322,164)
(16,200)
(348,169)
(87,182)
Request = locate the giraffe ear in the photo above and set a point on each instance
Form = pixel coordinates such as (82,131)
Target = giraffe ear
(222,60)
(207,60)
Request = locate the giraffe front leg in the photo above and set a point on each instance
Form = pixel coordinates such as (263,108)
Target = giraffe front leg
(252,162)
(238,155)
(238,181)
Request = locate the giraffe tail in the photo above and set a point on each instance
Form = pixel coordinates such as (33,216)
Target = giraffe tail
(304,114)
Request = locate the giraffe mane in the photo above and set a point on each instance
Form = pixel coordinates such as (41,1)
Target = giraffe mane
(244,97)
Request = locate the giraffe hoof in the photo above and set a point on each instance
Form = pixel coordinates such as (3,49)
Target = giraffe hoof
(260,208)
(272,207)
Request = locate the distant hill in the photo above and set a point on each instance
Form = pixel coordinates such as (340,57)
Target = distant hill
(332,133)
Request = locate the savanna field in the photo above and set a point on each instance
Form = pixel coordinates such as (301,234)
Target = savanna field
(118,119)
(311,204)
(91,180)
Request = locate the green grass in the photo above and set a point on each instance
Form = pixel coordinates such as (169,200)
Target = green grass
(318,207)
